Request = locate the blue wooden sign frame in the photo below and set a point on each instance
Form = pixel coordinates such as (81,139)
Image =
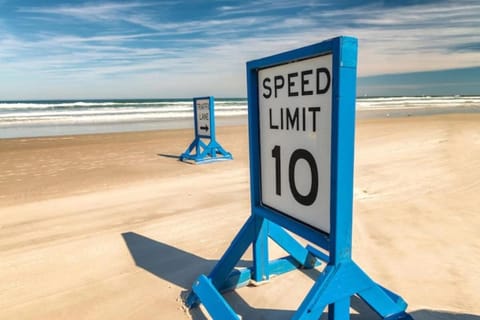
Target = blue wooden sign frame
(342,277)
(199,151)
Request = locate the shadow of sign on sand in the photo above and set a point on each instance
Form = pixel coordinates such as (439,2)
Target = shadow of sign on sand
(171,156)
(182,268)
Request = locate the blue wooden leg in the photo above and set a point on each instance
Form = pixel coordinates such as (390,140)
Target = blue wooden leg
(382,302)
(222,151)
(232,255)
(214,149)
(216,306)
(335,287)
(187,152)
(315,301)
(260,250)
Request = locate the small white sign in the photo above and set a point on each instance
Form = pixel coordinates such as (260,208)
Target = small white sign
(203,117)
(295,106)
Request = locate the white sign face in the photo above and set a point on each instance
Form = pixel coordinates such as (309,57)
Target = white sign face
(203,117)
(295,111)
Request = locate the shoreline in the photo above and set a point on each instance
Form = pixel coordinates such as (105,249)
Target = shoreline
(39,130)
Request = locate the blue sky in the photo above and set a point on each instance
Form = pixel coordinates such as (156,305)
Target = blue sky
(141,49)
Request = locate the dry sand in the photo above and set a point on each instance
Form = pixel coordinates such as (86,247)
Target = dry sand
(115,227)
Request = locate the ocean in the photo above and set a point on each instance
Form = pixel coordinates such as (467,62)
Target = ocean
(67,117)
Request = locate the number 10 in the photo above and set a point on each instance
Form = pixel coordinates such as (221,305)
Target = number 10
(298,154)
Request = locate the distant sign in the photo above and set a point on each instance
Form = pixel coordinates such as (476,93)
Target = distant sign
(203,120)
(295,112)
(204,125)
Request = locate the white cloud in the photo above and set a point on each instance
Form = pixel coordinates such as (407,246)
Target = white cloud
(102,11)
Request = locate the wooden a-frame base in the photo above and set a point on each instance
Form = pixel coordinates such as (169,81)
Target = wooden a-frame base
(205,153)
(334,287)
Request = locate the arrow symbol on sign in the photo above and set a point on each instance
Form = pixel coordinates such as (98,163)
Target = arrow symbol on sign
(205,128)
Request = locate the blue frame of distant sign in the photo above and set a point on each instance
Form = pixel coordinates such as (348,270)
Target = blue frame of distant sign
(198,151)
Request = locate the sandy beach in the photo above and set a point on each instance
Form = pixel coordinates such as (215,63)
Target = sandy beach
(113,226)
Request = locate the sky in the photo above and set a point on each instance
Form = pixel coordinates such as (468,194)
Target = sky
(54,49)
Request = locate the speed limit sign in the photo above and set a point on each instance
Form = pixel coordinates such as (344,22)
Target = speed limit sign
(301,108)
(301,123)
(295,113)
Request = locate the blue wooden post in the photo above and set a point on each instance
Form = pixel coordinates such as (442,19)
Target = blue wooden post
(260,251)
(343,140)
(199,151)
(332,229)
